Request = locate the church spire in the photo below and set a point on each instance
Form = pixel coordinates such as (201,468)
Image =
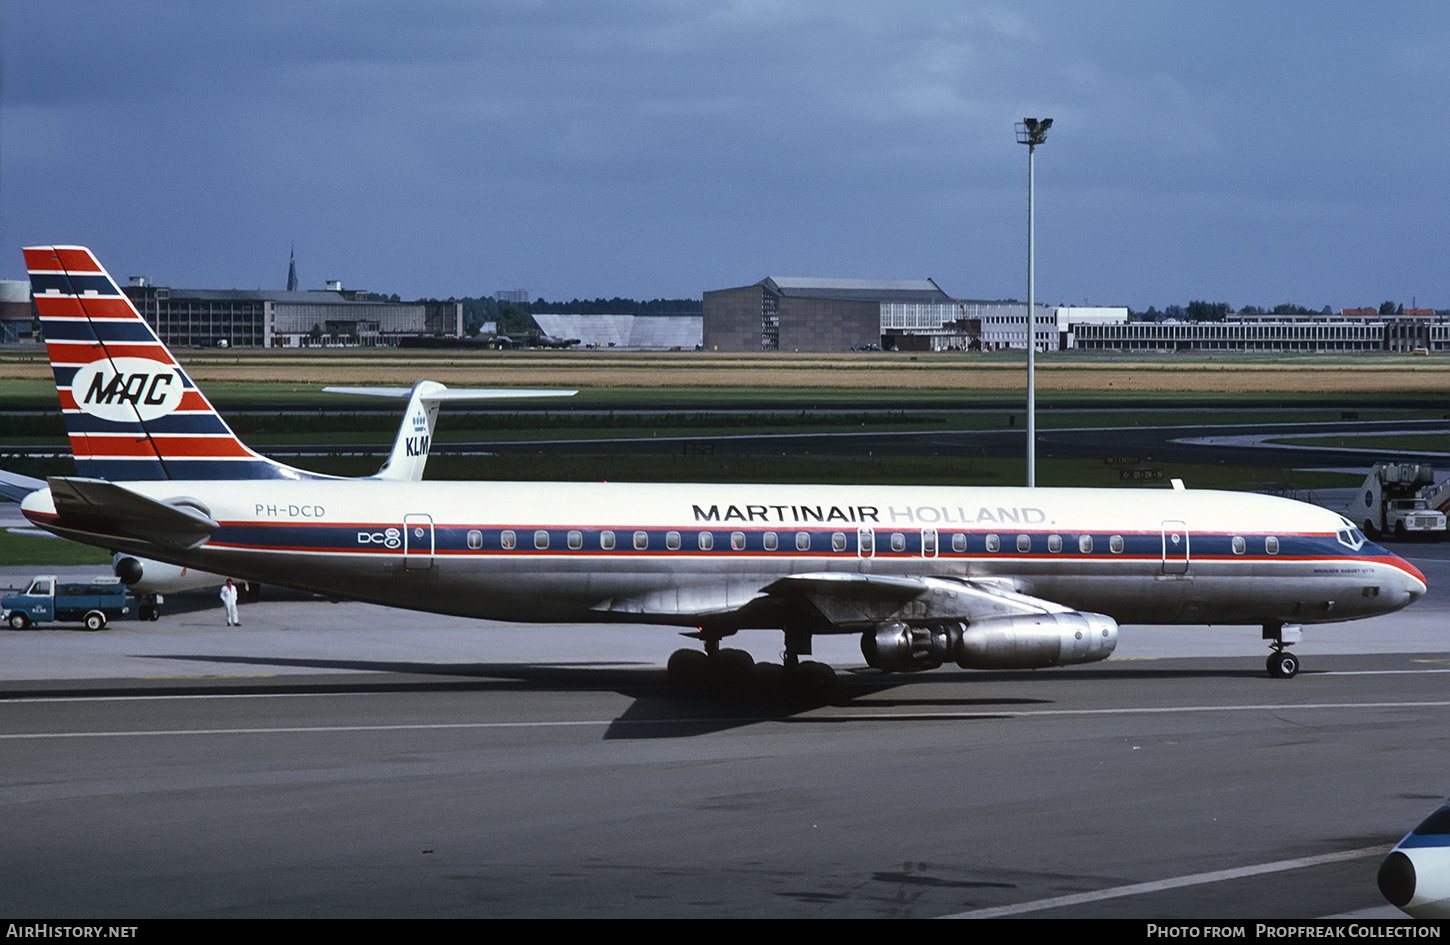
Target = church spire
(292,272)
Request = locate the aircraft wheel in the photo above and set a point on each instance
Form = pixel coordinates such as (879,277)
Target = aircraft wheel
(688,666)
(813,682)
(19,621)
(146,612)
(733,666)
(1283,665)
(95,620)
(768,680)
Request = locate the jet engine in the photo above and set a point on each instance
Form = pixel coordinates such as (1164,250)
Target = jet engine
(128,569)
(1020,641)
(1416,875)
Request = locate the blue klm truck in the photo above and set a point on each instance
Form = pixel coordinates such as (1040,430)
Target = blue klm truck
(48,600)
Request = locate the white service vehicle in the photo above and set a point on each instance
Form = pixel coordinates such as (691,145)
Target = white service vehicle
(1390,502)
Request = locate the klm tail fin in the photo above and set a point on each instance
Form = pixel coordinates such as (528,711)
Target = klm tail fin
(131,411)
(415,434)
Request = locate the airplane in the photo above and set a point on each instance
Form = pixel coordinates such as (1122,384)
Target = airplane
(989,577)
(545,340)
(1415,877)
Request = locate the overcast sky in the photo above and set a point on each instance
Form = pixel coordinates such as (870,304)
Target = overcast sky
(1247,152)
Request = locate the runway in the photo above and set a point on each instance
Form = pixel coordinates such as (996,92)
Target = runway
(347,760)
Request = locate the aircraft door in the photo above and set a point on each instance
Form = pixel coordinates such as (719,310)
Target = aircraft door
(417,541)
(1175,547)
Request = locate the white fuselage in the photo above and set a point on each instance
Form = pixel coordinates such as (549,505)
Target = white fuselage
(684,554)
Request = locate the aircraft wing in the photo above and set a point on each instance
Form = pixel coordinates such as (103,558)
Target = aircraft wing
(98,507)
(907,622)
(855,601)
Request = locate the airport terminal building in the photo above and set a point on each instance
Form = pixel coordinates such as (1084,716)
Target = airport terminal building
(281,319)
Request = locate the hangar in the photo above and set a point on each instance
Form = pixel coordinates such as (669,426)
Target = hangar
(786,313)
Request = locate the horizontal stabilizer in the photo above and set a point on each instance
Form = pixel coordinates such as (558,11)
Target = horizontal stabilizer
(451,393)
(410,450)
(99,507)
(15,486)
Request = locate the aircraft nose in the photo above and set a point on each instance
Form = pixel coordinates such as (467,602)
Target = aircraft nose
(1414,580)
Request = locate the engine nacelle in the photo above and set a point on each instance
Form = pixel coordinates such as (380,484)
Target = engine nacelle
(1416,875)
(128,569)
(1025,641)
(1034,641)
(898,648)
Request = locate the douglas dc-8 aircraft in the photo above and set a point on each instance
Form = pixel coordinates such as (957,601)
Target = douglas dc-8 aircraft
(985,577)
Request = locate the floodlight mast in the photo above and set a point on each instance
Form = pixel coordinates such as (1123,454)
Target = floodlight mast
(1032,132)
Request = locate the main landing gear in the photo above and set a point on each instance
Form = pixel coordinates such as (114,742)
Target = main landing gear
(1281,663)
(791,678)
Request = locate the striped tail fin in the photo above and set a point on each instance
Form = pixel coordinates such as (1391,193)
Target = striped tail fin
(131,411)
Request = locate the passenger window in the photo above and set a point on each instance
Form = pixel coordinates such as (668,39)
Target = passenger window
(838,541)
(672,541)
(771,541)
(1085,544)
(576,540)
(959,543)
(928,542)
(507,540)
(1271,544)
(866,542)
(541,539)
(994,542)
(1024,543)
(1115,544)
(475,539)
(737,541)
(802,541)
(1239,545)
(898,541)
(606,540)
(641,541)
(707,541)
(1054,543)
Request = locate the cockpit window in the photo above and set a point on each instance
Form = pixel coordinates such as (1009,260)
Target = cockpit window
(1350,538)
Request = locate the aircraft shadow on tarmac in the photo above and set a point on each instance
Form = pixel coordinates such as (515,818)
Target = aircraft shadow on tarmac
(661,708)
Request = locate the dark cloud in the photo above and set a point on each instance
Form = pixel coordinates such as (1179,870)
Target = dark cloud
(1241,151)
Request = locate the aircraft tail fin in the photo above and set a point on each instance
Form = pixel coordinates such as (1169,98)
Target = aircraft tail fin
(131,412)
(415,434)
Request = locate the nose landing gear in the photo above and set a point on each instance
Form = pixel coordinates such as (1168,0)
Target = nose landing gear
(1281,663)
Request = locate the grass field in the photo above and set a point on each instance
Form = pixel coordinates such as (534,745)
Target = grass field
(608,376)
(705,393)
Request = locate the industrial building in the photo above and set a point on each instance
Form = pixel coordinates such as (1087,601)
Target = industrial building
(287,319)
(796,314)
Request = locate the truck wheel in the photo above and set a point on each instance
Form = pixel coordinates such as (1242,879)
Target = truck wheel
(1370,530)
(95,620)
(1400,531)
(19,621)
